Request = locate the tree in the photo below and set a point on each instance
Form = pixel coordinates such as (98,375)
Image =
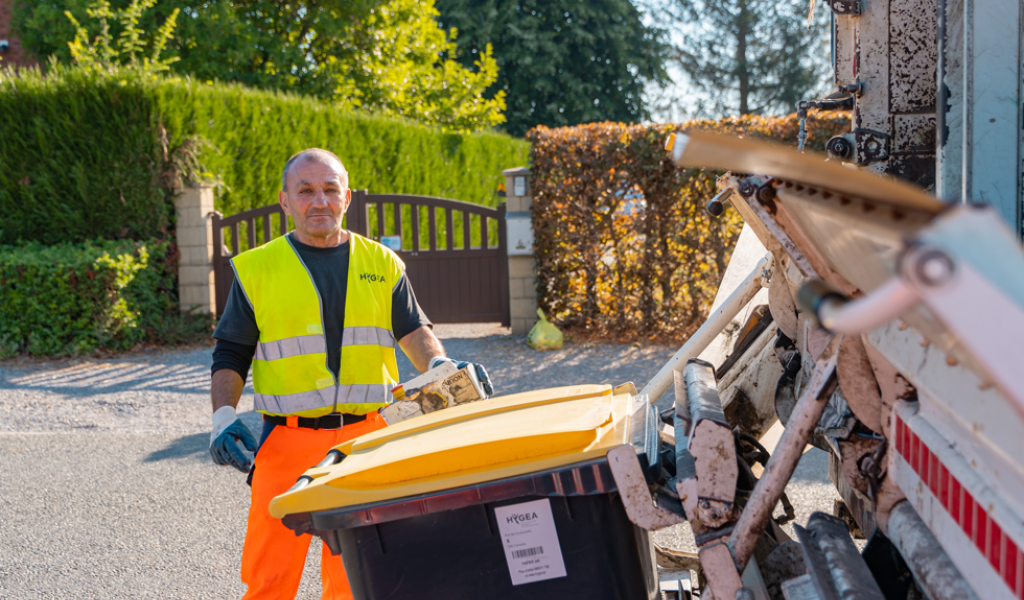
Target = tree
(561,62)
(747,56)
(386,56)
(129,49)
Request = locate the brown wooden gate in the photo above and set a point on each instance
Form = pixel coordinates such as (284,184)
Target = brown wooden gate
(455,252)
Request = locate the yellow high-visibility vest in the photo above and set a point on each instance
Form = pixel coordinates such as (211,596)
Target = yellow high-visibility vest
(289,373)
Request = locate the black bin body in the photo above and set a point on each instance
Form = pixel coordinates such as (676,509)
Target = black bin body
(458,554)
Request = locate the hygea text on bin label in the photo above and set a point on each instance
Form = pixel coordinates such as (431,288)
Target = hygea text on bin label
(530,540)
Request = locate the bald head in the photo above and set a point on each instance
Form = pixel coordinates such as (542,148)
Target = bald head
(314,154)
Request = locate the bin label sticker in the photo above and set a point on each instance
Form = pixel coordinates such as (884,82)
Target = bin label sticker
(531,542)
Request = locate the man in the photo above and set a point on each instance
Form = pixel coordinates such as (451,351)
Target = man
(320,310)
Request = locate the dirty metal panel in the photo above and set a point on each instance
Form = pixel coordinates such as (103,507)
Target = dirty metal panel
(833,561)
(860,240)
(981,535)
(950,118)
(912,56)
(918,169)
(984,426)
(914,134)
(749,400)
(701,149)
(861,508)
(845,39)
(872,109)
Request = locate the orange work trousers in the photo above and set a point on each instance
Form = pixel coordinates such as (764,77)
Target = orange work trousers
(273,556)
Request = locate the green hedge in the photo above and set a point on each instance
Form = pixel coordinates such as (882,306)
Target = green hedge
(78,160)
(76,298)
(81,156)
(254,132)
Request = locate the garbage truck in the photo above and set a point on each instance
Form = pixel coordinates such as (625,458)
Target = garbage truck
(874,307)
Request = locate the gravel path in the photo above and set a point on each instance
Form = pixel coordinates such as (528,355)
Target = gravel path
(107,489)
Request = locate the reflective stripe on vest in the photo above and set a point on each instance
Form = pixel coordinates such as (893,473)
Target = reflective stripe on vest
(288,347)
(317,344)
(363,336)
(290,373)
(303,401)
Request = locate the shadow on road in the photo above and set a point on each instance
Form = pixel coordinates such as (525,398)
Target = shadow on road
(196,445)
(92,377)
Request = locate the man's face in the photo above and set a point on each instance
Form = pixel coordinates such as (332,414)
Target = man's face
(317,197)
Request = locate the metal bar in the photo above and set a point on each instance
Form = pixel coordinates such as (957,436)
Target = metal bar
(484,234)
(506,301)
(398,223)
(236,239)
(220,298)
(467,237)
(415,227)
(362,221)
(456,205)
(889,301)
(780,467)
(251,230)
(715,323)
(449,229)
(933,570)
(380,219)
(432,226)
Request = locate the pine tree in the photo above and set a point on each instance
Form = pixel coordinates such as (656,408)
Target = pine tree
(749,56)
(561,62)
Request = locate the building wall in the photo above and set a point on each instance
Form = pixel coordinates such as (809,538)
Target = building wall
(15,54)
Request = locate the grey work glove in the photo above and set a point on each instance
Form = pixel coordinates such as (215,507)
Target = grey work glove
(481,372)
(227,432)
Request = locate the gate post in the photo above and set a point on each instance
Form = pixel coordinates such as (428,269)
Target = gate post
(195,244)
(522,266)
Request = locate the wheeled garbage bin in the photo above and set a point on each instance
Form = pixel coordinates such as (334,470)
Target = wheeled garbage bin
(508,498)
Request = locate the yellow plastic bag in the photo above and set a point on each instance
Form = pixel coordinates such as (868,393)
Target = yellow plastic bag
(544,335)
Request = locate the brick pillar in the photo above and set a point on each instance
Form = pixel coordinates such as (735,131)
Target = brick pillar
(195,243)
(522,267)
(14,55)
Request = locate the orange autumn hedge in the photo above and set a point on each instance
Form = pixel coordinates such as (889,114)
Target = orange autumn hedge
(624,248)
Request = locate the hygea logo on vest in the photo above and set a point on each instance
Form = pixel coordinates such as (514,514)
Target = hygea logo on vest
(372,277)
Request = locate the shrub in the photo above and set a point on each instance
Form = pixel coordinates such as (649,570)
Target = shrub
(86,155)
(74,298)
(622,242)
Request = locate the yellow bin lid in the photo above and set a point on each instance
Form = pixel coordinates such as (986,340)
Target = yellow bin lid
(466,445)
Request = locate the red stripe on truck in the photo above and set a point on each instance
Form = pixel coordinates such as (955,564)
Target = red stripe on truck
(973,518)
